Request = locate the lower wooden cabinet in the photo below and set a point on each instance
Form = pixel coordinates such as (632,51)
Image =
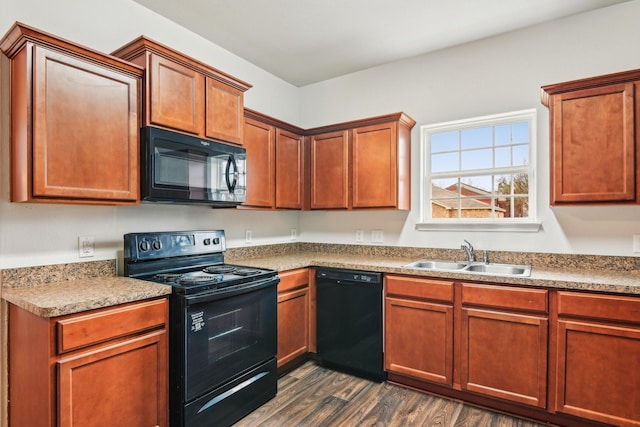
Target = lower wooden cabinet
(597,358)
(503,342)
(97,368)
(293,315)
(419,328)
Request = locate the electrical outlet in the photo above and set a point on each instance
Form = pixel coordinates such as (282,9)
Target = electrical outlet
(636,243)
(294,234)
(85,246)
(359,236)
(377,236)
(248,236)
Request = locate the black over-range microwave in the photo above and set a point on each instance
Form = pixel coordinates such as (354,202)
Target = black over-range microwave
(182,169)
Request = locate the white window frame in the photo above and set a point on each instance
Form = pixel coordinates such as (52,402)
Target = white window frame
(427,223)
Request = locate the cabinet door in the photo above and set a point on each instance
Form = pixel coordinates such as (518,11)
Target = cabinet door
(224,112)
(259,143)
(293,324)
(289,174)
(504,355)
(85,130)
(375,166)
(598,372)
(593,145)
(122,384)
(177,96)
(419,339)
(330,171)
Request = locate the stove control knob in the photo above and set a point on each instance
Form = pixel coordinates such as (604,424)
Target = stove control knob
(156,245)
(216,241)
(206,241)
(144,246)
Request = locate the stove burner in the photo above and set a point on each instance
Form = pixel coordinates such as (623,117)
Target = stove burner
(220,269)
(166,277)
(245,271)
(199,278)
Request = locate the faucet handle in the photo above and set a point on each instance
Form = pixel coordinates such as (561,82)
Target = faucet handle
(470,245)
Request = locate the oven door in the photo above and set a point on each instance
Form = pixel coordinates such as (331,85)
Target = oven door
(182,169)
(228,334)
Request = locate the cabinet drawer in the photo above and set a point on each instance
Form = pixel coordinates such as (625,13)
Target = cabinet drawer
(293,279)
(505,297)
(432,289)
(607,307)
(82,330)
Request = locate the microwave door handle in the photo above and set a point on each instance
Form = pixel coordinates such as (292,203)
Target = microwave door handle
(231,185)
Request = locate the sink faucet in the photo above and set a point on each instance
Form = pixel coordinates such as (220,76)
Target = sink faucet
(468,248)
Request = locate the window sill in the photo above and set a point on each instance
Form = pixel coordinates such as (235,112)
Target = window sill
(517,227)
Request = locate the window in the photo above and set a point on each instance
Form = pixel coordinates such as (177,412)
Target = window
(479,171)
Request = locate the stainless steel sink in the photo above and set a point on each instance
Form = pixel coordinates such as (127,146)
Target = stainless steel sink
(474,267)
(437,265)
(499,269)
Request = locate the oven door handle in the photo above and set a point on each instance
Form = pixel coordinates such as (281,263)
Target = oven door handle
(222,293)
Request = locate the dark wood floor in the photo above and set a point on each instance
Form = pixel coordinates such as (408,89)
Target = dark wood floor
(312,396)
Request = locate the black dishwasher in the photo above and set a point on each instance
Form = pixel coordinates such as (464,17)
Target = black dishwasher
(349,321)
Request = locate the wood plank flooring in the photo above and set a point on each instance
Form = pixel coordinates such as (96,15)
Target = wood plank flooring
(313,396)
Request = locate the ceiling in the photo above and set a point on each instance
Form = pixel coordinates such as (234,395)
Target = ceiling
(306,41)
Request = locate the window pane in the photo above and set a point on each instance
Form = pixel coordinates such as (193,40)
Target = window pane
(520,132)
(477,138)
(445,208)
(444,142)
(521,155)
(445,162)
(477,159)
(503,134)
(503,157)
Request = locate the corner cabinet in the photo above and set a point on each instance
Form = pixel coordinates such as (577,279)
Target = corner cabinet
(595,139)
(74,122)
(96,368)
(275,163)
(362,164)
(185,95)
(294,305)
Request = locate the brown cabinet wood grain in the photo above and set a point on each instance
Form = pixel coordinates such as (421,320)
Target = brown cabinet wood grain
(103,367)
(275,163)
(594,139)
(419,328)
(503,351)
(293,315)
(74,122)
(330,170)
(597,358)
(363,164)
(186,95)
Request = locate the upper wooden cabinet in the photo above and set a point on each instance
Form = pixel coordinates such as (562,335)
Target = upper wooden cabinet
(594,139)
(74,122)
(362,164)
(275,162)
(186,95)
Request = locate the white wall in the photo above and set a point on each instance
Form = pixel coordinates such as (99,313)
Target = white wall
(495,75)
(36,234)
(490,76)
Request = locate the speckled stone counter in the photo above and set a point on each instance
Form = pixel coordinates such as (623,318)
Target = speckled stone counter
(57,290)
(620,275)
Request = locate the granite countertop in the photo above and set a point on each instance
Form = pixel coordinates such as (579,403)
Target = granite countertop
(599,280)
(73,296)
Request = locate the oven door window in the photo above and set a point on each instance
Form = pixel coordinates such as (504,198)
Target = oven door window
(226,337)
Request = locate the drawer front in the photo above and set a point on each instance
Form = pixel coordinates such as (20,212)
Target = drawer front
(505,297)
(413,287)
(606,307)
(82,330)
(293,279)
